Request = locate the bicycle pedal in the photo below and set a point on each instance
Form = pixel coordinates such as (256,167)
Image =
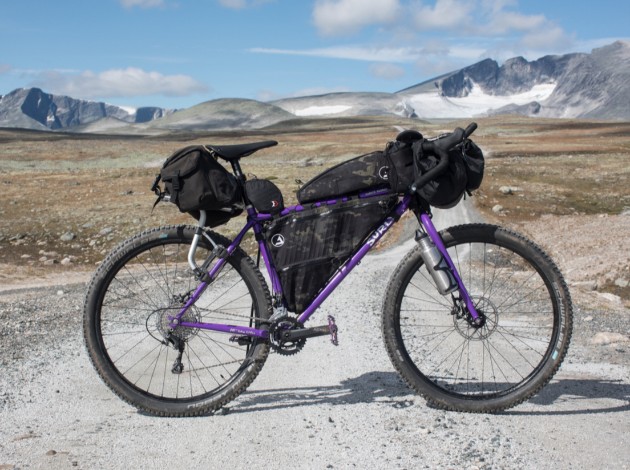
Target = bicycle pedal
(332,327)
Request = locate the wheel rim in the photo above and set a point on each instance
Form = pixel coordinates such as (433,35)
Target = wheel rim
(502,355)
(132,324)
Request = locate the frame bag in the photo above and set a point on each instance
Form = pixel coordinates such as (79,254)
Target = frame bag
(391,170)
(361,174)
(310,245)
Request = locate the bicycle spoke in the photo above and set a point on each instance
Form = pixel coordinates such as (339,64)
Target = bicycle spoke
(484,362)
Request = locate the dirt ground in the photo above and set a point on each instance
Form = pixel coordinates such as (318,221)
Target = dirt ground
(67,200)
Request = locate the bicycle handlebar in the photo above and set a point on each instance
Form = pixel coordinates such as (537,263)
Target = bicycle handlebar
(440,148)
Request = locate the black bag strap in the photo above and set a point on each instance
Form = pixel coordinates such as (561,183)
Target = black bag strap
(392,174)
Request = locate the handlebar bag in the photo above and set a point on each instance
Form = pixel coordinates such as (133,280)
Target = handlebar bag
(195,181)
(464,174)
(308,246)
(473,159)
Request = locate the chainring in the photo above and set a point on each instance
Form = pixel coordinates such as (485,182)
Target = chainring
(280,345)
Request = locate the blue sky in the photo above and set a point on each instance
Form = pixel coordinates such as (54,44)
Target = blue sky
(177,53)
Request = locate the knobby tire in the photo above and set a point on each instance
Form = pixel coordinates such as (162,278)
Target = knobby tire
(143,281)
(528,322)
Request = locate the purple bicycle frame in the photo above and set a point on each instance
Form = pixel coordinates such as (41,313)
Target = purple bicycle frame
(254,221)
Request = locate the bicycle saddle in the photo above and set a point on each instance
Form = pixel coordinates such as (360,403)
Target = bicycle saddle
(234,152)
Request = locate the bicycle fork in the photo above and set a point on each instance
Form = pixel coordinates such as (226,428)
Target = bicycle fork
(441,267)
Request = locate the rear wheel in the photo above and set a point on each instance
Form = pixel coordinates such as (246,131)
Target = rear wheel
(527,321)
(187,371)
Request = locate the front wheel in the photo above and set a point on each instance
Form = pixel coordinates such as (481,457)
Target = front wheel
(185,371)
(458,365)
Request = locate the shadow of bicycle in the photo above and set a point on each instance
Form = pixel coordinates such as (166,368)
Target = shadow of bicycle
(383,387)
(579,396)
(560,397)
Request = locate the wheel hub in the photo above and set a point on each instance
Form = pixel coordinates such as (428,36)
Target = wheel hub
(163,323)
(484,327)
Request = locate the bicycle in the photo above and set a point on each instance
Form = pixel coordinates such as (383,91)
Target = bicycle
(179,320)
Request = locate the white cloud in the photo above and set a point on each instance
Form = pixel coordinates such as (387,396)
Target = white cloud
(5,68)
(127,82)
(399,55)
(235,4)
(387,71)
(542,38)
(506,21)
(343,17)
(142,3)
(363,53)
(445,14)
(470,30)
(241,4)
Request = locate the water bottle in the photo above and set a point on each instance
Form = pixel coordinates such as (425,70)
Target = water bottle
(436,265)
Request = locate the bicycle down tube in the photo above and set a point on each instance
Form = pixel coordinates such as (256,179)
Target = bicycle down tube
(254,222)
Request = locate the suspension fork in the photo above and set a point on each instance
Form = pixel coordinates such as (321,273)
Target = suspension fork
(427,223)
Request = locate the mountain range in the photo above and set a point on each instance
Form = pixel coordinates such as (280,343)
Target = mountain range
(579,85)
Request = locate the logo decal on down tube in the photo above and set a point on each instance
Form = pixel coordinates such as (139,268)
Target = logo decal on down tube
(277,240)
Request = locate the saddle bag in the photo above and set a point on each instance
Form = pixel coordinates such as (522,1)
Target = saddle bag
(308,246)
(194,180)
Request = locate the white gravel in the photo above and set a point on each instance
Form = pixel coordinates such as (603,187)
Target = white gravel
(327,407)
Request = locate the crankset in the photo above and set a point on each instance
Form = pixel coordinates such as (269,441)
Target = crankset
(287,335)
(280,338)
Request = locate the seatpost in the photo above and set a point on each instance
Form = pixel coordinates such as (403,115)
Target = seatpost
(236,168)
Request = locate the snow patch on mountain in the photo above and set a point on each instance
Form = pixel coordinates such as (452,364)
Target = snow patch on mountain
(321,110)
(477,102)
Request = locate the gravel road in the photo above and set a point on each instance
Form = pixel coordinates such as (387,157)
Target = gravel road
(327,407)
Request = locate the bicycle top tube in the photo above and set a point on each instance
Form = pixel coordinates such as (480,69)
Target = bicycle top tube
(255,220)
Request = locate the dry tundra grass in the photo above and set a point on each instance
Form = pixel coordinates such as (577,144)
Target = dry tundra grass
(67,199)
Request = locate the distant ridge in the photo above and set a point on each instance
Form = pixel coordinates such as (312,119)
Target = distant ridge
(33,108)
(225,113)
(594,86)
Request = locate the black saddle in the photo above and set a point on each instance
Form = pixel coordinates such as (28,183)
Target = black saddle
(234,152)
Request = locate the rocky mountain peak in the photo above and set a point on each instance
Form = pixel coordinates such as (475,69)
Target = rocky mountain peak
(33,108)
